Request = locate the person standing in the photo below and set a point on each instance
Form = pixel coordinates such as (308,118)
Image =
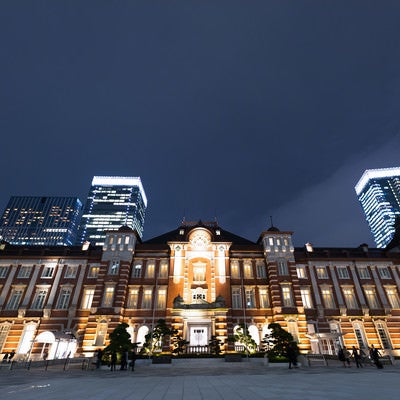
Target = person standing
(342,356)
(375,355)
(113,360)
(291,354)
(357,357)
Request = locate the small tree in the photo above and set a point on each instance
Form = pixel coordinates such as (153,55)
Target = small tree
(242,336)
(279,339)
(178,344)
(120,340)
(215,345)
(154,340)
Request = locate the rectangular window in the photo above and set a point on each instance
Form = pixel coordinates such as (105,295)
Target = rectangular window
(15,299)
(283,267)
(247,270)
(71,271)
(328,299)
(343,273)
(301,272)
(150,270)
(393,297)
(87,300)
(48,272)
(359,333)
(163,269)
(137,271)
(235,270)
(93,271)
(108,296)
(371,298)
(384,273)
(25,272)
(133,298)
(264,300)
(321,273)
(161,299)
(4,329)
(250,298)
(101,333)
(38,300)
(3,271)
(114,267)
(261,271)
(381,329)
(350,298)
(306,298)
(363,273)
(147,295)
(236,298)
(287,299)
(63,300)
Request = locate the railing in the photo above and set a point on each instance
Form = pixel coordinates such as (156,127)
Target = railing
(63,363)
(197,349)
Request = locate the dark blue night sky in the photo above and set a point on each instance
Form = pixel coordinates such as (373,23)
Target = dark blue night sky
(234,109)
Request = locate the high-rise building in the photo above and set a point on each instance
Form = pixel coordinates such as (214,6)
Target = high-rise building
(378,192)
(113,201)
(50,221)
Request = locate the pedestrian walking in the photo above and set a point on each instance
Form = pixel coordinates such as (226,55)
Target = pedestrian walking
(5,358)
(11,356)
(113,360)
(375,355)
(291,354)
(357,357)
(344,357)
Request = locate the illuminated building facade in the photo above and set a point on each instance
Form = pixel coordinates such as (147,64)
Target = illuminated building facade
(38,221)
(204,281)
(378,192)
(113,201)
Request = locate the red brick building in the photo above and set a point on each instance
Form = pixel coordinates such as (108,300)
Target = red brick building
(204,281)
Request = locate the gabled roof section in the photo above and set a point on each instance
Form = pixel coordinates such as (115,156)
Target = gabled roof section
(181,234)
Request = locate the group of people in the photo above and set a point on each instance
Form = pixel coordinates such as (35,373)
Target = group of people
(113,360)
(8,356)
(359,356)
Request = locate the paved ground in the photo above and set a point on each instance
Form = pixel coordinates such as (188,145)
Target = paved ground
(224,381)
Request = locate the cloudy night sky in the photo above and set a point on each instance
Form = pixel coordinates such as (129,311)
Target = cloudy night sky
(230,109)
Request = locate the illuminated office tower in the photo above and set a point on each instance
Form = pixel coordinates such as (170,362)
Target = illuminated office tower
(113,201)
(49,221)
(378,192)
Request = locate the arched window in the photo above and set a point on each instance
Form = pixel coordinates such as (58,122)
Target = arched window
(101,333)
(253,331)
(292,329)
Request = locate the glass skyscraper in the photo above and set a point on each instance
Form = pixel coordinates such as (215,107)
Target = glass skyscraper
(113,201)
(378,192)
(49,221)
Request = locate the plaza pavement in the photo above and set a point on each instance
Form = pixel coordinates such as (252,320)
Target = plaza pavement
(203,380)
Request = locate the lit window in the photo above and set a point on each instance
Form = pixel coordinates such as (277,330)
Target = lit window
(161,298)
(293,329)
(27,336)
(250,298)
(383,336)
(163,273)
(108,296)
(328,299)
(264,300)
(371,298)
(147,297)
(393,297)
(93,271)
(133,298)
(321,273)
(87,300)
(150,270)
(199,272)
(306,297)
(137,270)
(248,270)
(350,298)
(287,298)
(301,272)
(343,273)
(4,330)
(101,333)
(235,270)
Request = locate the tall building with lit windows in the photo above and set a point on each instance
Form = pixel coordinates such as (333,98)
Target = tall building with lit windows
(378,192)
(49,221)
(113,201)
